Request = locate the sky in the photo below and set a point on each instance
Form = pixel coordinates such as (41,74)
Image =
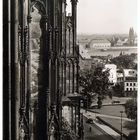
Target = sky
(106,16)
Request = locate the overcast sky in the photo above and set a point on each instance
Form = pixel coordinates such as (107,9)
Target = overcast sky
(106,16)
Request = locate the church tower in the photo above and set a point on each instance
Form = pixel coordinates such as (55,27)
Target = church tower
(131,36)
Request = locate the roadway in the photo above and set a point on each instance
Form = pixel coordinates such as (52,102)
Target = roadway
(95,133)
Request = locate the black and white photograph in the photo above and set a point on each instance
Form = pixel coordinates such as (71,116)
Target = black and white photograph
(70,70)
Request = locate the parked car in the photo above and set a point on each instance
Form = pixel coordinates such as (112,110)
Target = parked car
(115,102)
(89,121)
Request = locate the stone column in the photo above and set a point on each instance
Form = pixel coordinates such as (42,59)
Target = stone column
(17,71)
(29,69)
(64,40)
(73,78)
(42,119)
(74,22)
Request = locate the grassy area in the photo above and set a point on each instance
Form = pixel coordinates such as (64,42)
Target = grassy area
(111,110)
(128,126)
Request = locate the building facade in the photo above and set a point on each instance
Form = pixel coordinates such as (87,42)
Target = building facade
(119,42)
(99,43)
(130,81)
(130,85)
(128,78)
(42,69)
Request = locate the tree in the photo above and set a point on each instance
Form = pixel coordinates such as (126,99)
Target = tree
(132,136)
(131,109)
(124,61)
(118,90)
(131,112)
(94,82)
(85,85)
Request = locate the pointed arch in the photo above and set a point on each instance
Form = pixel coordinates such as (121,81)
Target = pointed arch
(40,5)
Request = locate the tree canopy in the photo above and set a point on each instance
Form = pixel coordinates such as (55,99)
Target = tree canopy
(118,90)
(131,109)
(131,112)
(94,82)
(125,61)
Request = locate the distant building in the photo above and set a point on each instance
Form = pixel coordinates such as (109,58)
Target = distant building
(122,53)
(131,36)
(97,43)
(86,61)
(125,42)
(84,42)
(130,73)
(119,42)
(130,81)
(128,78)
(120,77)
(112,71)
(135,41)
(90,63)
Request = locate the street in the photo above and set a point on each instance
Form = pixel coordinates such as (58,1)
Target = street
(94,132)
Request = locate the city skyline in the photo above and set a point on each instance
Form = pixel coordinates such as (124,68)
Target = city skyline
(106,17)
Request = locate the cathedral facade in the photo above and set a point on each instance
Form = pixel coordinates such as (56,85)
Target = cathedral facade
(41,71)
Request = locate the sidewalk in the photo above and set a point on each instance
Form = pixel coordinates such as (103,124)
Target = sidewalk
(127,126)
(105,128)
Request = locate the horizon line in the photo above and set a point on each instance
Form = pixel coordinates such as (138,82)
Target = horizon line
(102,33)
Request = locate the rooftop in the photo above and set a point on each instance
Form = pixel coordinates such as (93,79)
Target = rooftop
(99,41)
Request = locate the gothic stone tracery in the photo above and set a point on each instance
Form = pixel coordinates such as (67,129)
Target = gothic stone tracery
(48,70)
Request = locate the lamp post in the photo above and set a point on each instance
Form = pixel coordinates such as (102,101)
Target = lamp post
(121,124)
(82,127)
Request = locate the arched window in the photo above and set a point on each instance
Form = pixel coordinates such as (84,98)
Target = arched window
(37,31)
(35,39)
